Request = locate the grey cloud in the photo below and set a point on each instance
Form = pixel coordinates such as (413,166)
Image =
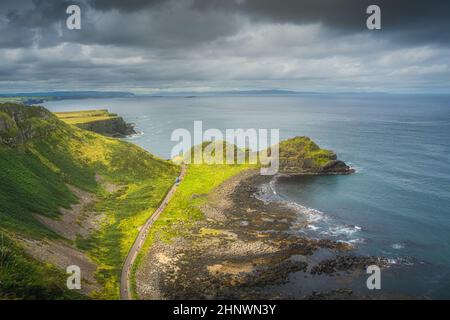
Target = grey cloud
(129,5)
(151,24)
(407,20)
(186,23)
(172,25)
(297,45)
(28,23)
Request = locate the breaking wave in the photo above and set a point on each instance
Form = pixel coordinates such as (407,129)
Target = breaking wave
(318,223)
(398,246)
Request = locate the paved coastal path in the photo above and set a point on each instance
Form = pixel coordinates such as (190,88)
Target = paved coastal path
(125,285)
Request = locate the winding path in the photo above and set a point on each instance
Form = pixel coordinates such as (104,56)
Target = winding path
(125,285)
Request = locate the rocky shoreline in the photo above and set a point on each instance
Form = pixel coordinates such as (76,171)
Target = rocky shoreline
(244,249)
(114,127)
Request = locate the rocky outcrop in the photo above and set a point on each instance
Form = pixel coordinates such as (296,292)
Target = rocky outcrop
(301,156)
(113,127)
(19,123)
(336,167)
(347,264)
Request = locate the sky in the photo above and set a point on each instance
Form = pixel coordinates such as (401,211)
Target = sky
(161,46)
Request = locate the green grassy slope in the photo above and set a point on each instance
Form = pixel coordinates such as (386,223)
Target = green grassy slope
(40,155)
(24,278)
(77,117)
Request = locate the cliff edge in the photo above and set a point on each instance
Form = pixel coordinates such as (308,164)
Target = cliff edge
(99,121)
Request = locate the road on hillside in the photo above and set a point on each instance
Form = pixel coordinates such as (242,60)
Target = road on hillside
(125,285)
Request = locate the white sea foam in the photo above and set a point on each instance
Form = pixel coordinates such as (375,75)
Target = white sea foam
(344,230)
(402,261)
(272,186)
(357,240)
(318,223)
(352,241)
(356,168)
(135,135)
(397,246)
(312,215)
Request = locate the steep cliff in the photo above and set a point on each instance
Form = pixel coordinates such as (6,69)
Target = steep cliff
(99,121)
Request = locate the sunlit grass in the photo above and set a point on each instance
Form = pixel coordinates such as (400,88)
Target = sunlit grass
(78,117)
(183,209)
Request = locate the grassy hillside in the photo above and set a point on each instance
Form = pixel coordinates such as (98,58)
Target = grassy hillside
(214,152)
(298,154)
(24,278)
(77,117)
(24,99)
(41,155)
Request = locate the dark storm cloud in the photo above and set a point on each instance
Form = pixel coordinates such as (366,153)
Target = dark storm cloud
(411,20)
(155,23)
(128,5)
(34,14)
(406,20)
(294,44)
(170,25)
(27,23)
(181,23)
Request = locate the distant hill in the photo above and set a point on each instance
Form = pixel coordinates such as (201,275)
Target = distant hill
(39,97)
(193,94)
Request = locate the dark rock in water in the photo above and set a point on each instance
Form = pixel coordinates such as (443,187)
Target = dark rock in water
(347,264)
(338,294)
(113,127)
(337,166)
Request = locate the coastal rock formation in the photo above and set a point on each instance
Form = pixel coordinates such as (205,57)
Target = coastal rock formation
(18,124)
(337,167)
(301,155)
(347,264)
(98,121)
(113,127)
(223,258)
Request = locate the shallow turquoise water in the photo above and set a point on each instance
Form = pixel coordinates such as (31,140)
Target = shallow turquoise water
(396,205)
